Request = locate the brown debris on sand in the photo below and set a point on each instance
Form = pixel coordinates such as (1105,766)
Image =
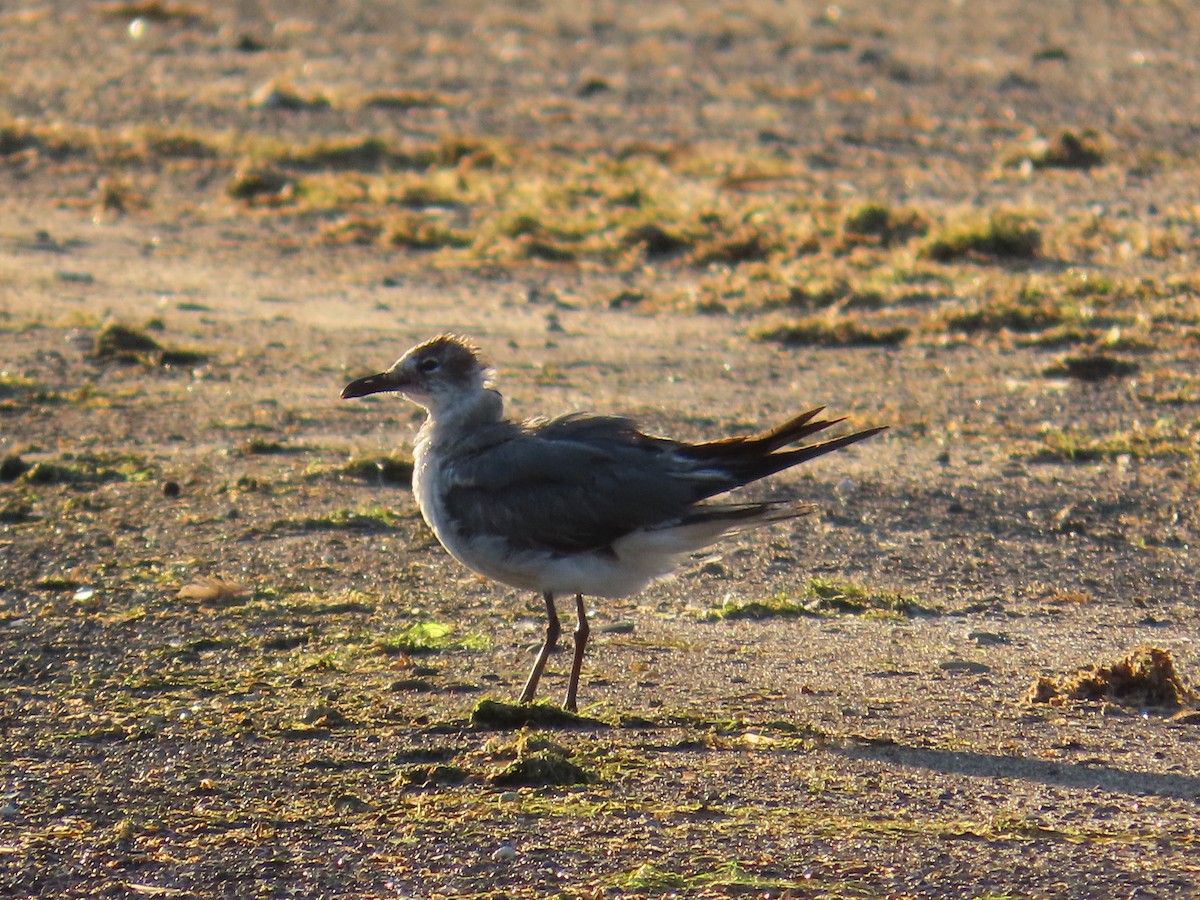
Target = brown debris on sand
(1145,677)
(215,591)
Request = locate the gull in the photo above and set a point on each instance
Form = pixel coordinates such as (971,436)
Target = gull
(583,504)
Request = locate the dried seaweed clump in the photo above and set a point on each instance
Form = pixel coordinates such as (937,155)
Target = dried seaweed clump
(1146,677)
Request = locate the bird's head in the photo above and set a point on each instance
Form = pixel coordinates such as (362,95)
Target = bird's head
(436,374)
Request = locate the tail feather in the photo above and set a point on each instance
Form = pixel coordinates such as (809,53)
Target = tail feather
(728,518)
(777,462)
(747,459)
(794,429)
(768,441)
(702,525)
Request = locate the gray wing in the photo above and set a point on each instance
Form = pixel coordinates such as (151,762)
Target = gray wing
(572,484)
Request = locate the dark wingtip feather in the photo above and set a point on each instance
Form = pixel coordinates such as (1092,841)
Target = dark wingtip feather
(795,429)
(790,458)
(749,459)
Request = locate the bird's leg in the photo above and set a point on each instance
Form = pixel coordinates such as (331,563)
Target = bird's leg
(552,632)
(581,638)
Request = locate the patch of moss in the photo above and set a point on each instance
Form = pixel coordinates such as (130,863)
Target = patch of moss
(433,775)
(735,249)
(58,583)
(345,803)
(263,184)
(657,242)
(1070,150)
(356,229)
(542,768)
(1027,313)
(372,153)
(13,512)
(831,595)
(817,294)
(278,95)
(1173,396)
(396,470)
(874,223)
(17,138)
(262,447)
(176,145)
(426,194)
(778,606)
(82,471)
(404,100)
(496,714)
(1160,440)
(649,878)
(1091,367)
(827,331)
(420,232)
(13,467)
(1003,235)
(530,247)
(592,85)
(125,344)
(180,357)
(430,637)
(520,224)
(1060,336)
(626,298)
(325,716)
(1090,285)
(154,11)
(374,519)
(822,595)
(16,392)
(730,878)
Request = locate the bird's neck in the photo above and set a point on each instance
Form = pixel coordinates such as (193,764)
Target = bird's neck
(464,413)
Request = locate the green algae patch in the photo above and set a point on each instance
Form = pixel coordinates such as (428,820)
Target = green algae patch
(124,344)
(832,331)
(778,607)
(430,637)
(381,469)
(1092,367)
(542,768)
(823,596)
(1002,235)
(500,715)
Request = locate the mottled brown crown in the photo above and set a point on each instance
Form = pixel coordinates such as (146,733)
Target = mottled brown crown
(460,359)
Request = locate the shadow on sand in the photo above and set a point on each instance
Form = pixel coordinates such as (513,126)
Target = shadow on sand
(1085,775)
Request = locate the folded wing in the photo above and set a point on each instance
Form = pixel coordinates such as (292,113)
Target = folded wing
(569,485)
(581,482)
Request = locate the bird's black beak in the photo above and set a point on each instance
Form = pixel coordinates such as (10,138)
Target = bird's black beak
(372,384)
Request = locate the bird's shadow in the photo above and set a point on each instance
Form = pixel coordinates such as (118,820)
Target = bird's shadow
(1079,775)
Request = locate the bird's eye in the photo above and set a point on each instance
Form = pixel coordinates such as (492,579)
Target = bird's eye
(432,364)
